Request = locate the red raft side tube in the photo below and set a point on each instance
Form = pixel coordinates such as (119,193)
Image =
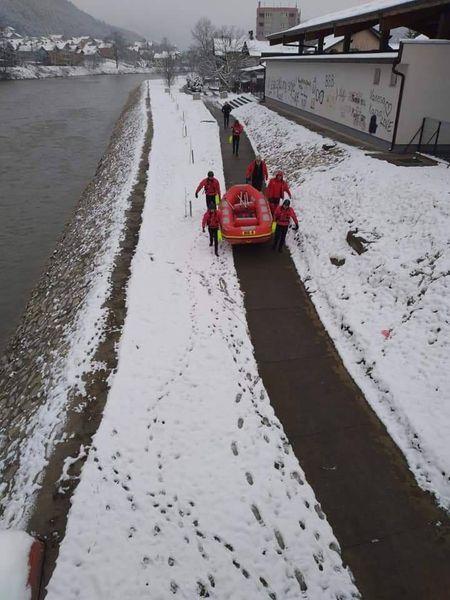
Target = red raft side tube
(245,216)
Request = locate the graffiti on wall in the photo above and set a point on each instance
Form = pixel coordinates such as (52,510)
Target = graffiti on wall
(329,94)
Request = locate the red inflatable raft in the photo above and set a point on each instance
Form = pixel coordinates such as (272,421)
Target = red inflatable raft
(245,216)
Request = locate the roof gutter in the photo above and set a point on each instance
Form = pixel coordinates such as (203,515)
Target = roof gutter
(402,76)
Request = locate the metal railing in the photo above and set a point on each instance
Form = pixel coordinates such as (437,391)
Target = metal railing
(433,137)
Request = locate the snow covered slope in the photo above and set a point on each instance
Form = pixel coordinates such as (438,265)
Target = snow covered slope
(388,309)
(191,488)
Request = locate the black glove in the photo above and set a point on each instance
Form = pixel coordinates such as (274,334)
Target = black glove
(296,227)
(196,194)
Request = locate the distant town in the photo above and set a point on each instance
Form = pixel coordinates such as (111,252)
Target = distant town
(84,51)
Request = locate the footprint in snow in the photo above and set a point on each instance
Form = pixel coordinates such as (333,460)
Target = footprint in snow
(257,514)
(280,540)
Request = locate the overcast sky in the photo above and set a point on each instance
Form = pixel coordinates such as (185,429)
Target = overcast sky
(155,19)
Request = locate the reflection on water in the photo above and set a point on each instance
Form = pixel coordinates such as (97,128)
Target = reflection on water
(53,133)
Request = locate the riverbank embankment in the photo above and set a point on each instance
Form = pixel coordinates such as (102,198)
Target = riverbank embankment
(32,71)
(60,359)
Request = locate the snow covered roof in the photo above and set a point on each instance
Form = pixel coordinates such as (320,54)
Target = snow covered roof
(366,11)
(89,50)
(259,47)
(331,40)
(165,54)
(256,68)
(9,32)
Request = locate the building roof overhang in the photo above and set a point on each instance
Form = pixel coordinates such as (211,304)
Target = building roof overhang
(423,16)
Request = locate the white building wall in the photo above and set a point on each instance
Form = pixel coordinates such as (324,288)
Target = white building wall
(343,92)
(426,65)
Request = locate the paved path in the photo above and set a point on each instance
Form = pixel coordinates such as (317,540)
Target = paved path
(393,536)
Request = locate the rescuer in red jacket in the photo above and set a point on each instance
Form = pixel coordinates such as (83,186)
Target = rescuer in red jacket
(211,219)
(275,191)
(236,130)
(211,187)
(256,173)
(283,215)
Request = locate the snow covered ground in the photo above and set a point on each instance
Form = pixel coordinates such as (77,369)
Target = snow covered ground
(43,72)
(15,548)
(191,488)
(399,286)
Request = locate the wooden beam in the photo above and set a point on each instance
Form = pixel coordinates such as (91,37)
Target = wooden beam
(443,30)
(320,45)
(314,35)
(347,42)
(354,27)
(385,34)
(404,19)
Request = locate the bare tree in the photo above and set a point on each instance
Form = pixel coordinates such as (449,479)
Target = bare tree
(217,53)
(168,67)
(204,33)
(230,58)
(119,46)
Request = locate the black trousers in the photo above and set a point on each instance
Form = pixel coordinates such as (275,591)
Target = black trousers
(236,140)
(210,201)
(258,184)
(214,239)
(226,120)
(280,237)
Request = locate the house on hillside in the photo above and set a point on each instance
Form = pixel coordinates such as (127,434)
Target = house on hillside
(91,57)
(65,57)
(389,98)
(32,52)
(9,33)
(107,53)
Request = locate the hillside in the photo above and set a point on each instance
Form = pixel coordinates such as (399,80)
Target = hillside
(38,17)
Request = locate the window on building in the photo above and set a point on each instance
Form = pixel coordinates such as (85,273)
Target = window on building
(377,77)
(393,82)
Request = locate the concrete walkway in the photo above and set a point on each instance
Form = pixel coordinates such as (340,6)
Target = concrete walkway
(393,536)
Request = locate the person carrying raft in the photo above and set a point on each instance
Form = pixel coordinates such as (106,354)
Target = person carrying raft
(212,220)
(212,189)
(275,191)
(256,173)
(282,217)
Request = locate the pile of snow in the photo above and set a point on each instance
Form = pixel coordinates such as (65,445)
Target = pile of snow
(191,488)
(15,549)
(388,309)
(31,71)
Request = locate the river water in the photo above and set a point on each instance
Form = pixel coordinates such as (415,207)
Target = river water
(53,132)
